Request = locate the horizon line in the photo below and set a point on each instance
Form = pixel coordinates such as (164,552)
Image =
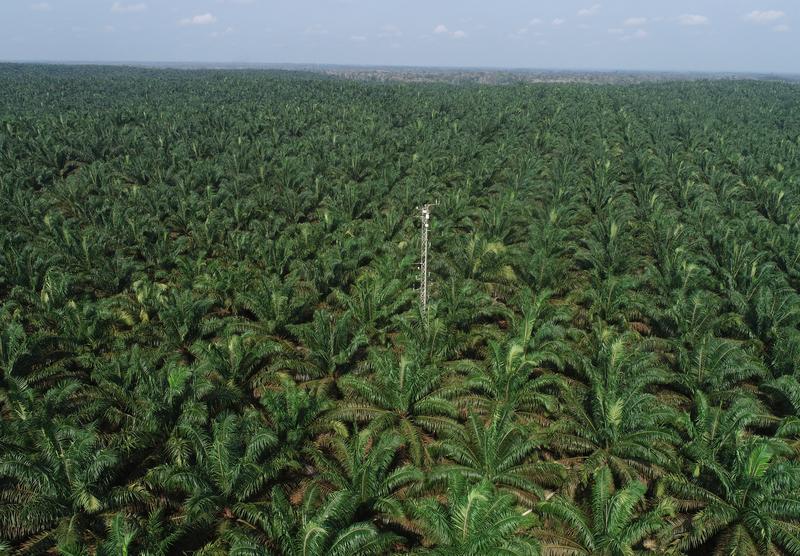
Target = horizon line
(280,65)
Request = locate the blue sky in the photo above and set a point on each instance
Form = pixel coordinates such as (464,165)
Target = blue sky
(720,35)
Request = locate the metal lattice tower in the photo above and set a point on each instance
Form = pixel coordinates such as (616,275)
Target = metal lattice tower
(425,216)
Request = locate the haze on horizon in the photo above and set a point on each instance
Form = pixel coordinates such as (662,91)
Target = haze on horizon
(678,35)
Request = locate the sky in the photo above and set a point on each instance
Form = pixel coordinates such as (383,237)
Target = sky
(677,35)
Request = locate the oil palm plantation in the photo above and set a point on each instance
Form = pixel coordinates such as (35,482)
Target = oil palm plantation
(211,339)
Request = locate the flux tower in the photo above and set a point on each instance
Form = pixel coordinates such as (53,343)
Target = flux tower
(425,217)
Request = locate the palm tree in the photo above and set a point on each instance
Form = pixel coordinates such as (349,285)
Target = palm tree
(328,345)
(324,528)
(182,318)
(615,421)
(785,391)
(148,533)
(469,314)
(237,366)
(427,336)
(712,431)
(475,520)
(785,351)
(500,452)
(616,301)
(374,299)
(60,484)
(548,251)
(610,247)
(402,395)
(748,505)
(486,262)
(691,318)
(222,485)
(613,522)
(719,367)
(508,380)
(366,466)
(120,537)
(297,416)
(540,328)
(269,307)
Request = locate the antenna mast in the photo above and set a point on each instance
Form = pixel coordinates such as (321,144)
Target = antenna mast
(425,216)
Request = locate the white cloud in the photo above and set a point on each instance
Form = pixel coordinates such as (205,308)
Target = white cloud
(442,29)
(781,28)
(109,29)
(558,22)
(121,8)
(635,21)
(358,38)
(535,21)
(202,19)
(41,7)
(615,31)
(586,12)
(693,19)
(758,16)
